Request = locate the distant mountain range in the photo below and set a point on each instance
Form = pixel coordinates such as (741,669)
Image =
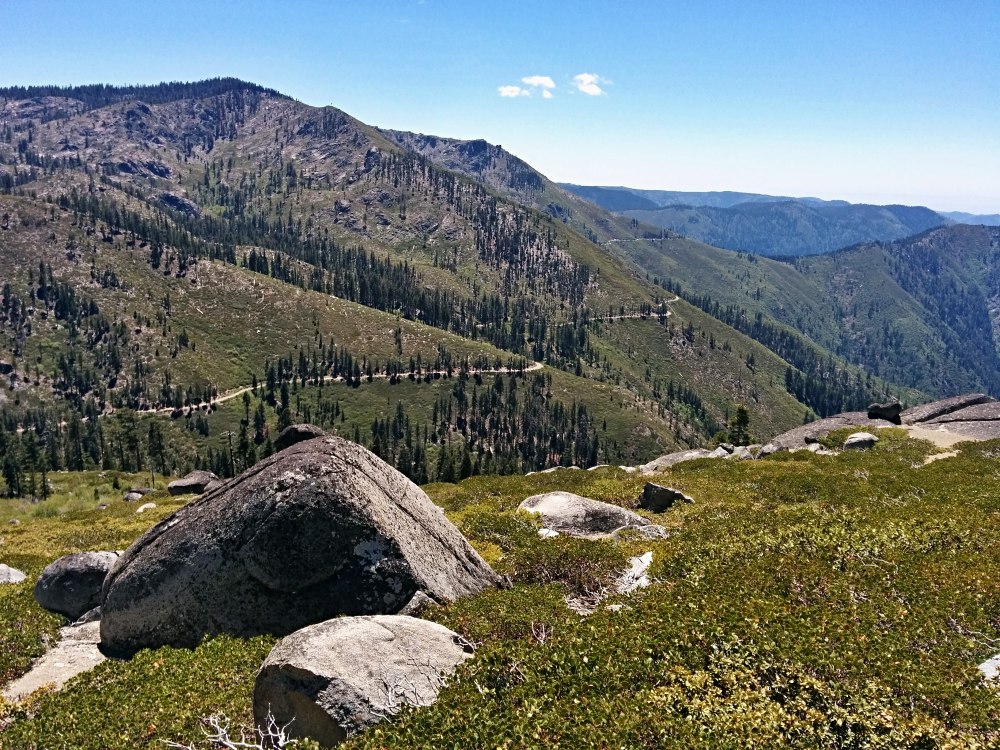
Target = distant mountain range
(166,244)
(771,225)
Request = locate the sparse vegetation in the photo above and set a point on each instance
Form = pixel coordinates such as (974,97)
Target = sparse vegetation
(801,601)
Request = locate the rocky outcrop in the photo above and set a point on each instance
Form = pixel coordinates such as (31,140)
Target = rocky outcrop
(72,584)
(337,678)
(657,498)
(144,507)
(574,515)
(663,463)
(321,529)
(194,483)
(812,432)
(136,493)
(10,575)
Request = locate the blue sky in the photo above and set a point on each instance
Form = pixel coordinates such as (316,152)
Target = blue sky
(868,101)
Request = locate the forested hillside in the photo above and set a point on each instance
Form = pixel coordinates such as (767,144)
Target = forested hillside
(189,267)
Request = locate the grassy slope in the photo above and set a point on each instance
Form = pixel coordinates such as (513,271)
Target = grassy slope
(802,601)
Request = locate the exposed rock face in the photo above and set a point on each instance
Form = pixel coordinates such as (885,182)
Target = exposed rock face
(740,453)
(71,585)
(10,575)
(657,498)
(339,677)
(296,433)
(935,409)
(671,459)
(860,441)
(580,516)
(192,484)
(889,411)
(321,529)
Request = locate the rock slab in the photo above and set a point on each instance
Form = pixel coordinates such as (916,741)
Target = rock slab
(72,584)
(579,516)
(76,652)
(321,529)
(337,678)
(657,498)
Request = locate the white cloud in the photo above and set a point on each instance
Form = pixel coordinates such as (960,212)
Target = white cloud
(542,81)
(546,94)
(512,92)
(589,84)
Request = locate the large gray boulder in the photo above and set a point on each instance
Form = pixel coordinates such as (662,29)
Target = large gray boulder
(337,678)
(574,515)
(72,584)
(321,529)
(10,575)
(194,483)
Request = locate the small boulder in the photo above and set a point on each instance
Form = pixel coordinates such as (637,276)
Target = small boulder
(860,441)
(136,493)
(579,516)
(740,453)
(339,677)
(320,529)
(296,433)
(419,604)
(719,452)
(10,575)
(657,498)
(192,484)
(889,411)
(144,507)
(71,585)
(990,669)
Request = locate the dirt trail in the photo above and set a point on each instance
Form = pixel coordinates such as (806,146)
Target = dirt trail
(230,395)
